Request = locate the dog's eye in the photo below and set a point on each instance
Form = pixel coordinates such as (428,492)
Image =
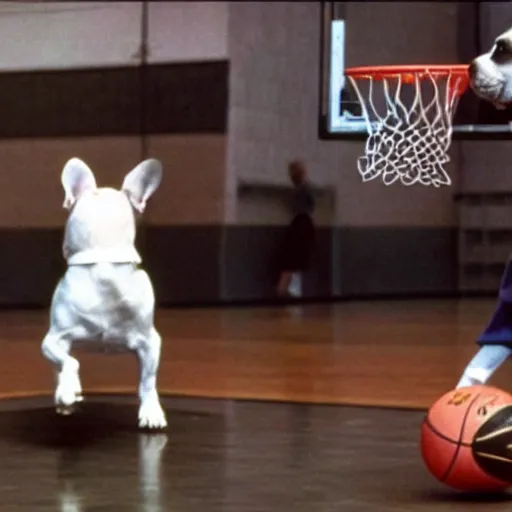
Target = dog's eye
(500,48)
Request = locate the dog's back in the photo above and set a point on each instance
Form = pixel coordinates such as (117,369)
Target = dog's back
(110,300)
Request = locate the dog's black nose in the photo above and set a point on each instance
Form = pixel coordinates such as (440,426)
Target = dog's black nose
(472,70)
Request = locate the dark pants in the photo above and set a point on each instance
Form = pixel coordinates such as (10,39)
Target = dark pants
(298,244)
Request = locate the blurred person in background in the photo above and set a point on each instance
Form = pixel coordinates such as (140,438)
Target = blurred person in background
(299,239)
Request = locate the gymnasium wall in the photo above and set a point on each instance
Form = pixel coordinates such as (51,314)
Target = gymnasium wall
(70,86)
(232,94)
(374,239)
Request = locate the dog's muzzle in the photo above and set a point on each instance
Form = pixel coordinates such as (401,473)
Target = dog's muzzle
(486,85)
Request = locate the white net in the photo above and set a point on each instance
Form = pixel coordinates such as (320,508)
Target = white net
(409,142)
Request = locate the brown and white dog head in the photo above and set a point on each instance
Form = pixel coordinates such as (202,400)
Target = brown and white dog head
(491,73)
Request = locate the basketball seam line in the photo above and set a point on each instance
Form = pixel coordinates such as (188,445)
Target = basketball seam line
(464,420)
(443,436)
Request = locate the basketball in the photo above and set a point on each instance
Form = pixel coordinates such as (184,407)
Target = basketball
(466,439)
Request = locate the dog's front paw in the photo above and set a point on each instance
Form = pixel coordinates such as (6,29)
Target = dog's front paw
(66,401)
(151,415)
(69,391)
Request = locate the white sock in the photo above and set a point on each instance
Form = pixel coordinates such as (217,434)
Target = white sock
(295,288)
(474,377)
(485,362)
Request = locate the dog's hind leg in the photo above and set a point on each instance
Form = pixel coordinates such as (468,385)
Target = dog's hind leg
(68,391)
(151,414)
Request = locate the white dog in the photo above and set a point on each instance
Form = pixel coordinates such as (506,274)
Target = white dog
(104,301)
(491,73)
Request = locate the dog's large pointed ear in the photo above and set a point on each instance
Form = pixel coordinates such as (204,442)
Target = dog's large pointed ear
(76,179)
(140,183)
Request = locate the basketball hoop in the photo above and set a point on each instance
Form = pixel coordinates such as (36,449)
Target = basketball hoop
(410,142)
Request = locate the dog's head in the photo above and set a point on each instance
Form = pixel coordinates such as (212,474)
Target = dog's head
(102,217)
(491,73)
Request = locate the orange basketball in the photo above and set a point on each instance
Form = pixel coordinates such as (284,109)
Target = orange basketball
(466,439)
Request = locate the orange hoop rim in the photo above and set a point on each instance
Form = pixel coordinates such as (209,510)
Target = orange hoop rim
(381,72)
(408,73)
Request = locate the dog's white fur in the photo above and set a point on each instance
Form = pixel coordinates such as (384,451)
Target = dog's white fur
(104,302)
(491,73)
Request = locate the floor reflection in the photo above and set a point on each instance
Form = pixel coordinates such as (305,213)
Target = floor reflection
(97,458)
(74,488)
(217,457)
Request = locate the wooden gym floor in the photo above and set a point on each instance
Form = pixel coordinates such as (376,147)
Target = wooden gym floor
(298,442)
